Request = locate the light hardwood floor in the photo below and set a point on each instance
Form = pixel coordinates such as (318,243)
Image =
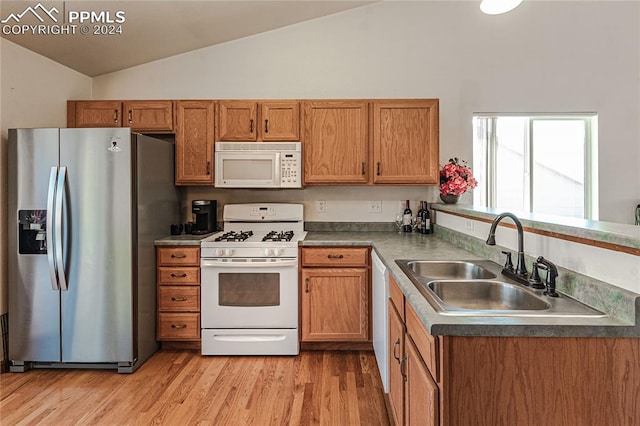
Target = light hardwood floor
(182,388)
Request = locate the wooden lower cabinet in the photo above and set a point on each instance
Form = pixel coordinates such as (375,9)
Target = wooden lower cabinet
(421,393)
(468,380)
(396,359)
(334,294)
(178,289)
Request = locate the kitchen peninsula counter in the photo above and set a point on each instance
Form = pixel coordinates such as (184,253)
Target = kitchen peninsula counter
(391,246)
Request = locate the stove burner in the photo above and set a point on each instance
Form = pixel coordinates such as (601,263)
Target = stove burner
(278,236)
(234,236)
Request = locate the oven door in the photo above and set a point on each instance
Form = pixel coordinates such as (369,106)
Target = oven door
(249,293)
(247,169)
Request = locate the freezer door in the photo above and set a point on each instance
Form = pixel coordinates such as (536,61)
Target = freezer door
(34,304)
(97,310)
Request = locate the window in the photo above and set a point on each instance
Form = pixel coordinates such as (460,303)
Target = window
(537,163)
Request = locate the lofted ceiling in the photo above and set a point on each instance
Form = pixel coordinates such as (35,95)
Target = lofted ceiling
(151,29)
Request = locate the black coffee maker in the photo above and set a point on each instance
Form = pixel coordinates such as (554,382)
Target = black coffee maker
(205,216)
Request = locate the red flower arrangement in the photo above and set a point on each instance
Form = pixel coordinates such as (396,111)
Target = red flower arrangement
(456,178)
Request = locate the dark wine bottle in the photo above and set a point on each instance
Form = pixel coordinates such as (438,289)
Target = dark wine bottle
(418,225)
(425,219)
(406,218)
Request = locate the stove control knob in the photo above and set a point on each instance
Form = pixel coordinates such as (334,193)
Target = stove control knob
(228,252)
(268,252)
(219,252)
(278,251)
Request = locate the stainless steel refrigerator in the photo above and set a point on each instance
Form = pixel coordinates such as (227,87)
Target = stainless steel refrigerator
(85,206)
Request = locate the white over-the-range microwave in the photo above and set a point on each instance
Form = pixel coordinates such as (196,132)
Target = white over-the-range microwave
(258,165)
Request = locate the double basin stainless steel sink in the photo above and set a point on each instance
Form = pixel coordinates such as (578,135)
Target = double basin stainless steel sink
(473,288)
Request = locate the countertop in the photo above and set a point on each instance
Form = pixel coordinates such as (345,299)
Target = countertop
(394,245)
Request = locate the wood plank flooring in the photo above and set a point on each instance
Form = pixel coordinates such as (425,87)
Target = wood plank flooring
(177,387)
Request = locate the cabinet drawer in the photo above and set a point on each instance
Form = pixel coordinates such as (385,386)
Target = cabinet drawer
(179,298)
(187,275)
(178,256)
(396,296)
(426,344)
(336,256)
(178,326)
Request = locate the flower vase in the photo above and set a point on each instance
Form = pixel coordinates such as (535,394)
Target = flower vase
(449,198)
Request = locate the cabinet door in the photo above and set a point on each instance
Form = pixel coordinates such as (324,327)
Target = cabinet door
(280,121)
(96,113)
(336,142)
(421,393)
(335,305)
(149,116)
(237,121)
(194,142)
(406,141)
(396,360)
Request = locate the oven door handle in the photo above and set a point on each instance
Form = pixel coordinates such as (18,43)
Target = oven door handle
(204,263)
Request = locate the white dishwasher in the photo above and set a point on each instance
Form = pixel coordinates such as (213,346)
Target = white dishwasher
(380,294)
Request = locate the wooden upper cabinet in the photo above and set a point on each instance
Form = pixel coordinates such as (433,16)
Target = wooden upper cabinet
(280,121)
(251,121)
(94,114)
(194,142)
(141,116)
(336,142)
(237,121)
(405,141)
(149,116)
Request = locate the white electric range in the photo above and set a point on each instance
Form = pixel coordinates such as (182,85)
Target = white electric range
(249,281)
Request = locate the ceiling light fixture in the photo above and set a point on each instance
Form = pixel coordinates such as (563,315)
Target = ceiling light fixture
(496,7)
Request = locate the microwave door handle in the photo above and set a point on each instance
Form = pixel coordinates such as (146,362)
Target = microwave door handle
(277,170)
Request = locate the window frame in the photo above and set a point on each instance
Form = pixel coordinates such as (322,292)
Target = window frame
(488,151)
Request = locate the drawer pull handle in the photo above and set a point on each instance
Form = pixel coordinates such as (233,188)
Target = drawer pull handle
(306,285)
(378,167)
(251,126)
(130,117)
(115,115)
(179,299)
(178,275)
(178,256)
(178,325)
(266,126)
(335,256)
(363,168)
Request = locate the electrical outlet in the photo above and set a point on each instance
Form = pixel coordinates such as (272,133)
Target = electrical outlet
(321,206)
(469,225)
(375,206)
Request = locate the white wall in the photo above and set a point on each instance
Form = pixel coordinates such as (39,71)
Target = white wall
(34,94)
(560,56)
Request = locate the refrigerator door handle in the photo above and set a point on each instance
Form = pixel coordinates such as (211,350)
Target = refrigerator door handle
(53,274)
(60,193)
